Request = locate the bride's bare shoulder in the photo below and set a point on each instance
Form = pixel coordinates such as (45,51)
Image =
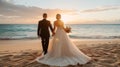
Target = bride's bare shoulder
(58,23)
(55,22)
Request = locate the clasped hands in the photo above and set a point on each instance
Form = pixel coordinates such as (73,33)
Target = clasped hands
(53,33)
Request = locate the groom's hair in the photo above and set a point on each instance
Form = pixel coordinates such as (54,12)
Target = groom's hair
(44,15)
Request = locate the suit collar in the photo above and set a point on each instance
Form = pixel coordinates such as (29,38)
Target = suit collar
(44,19)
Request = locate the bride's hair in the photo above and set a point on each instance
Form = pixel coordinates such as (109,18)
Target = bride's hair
(58,16)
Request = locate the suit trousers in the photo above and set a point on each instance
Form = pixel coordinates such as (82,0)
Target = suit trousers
(45,43)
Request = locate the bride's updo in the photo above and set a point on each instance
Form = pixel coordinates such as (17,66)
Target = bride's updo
(58,16)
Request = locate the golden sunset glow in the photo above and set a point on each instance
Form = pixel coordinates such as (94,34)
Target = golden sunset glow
(67,18)
(59,33)
(82,12)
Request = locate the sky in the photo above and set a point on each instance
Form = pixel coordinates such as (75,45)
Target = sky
(72,11)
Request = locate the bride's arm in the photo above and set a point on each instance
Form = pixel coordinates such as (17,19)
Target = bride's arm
(66,28)
(54,29)
(54,26)
(63,25)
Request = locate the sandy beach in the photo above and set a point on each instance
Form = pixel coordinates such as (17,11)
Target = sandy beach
(21,53)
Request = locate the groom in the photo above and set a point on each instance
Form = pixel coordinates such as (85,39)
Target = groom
(43,32)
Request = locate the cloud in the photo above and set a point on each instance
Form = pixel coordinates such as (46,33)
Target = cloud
(9,9)
(10,12)
(100,9)
(2,16)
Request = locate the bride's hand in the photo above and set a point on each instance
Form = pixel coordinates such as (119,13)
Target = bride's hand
(68,29)
(53,33)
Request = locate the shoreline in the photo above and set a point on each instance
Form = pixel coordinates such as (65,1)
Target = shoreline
(11,45)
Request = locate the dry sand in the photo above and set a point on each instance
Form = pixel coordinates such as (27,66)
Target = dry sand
(21,53)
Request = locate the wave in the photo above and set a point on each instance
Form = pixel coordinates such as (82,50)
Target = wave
(95,37)
(31,38)
(79,31)
(71,36)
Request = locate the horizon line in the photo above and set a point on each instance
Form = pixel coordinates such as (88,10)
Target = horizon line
(65,24)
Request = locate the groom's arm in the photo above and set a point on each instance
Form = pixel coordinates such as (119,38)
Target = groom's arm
(51,28)
(38,30)
(50,25)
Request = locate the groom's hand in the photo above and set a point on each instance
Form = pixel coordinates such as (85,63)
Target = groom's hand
(38,36)
(53,33)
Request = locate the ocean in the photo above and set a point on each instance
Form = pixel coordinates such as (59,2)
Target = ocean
(79,31)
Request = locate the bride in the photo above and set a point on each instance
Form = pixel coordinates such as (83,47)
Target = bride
(61,50)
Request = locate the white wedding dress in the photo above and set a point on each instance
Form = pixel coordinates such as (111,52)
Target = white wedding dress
(62,52)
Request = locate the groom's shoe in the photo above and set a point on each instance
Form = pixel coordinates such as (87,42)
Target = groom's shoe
(45,52)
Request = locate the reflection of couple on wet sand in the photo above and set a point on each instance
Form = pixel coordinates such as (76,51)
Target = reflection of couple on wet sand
(61,51)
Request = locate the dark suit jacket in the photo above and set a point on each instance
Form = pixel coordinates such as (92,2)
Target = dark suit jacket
(43,28)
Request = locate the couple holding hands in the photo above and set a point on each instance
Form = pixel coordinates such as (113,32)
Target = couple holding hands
(61,51)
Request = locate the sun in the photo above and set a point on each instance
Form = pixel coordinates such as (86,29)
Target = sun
(66,18)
